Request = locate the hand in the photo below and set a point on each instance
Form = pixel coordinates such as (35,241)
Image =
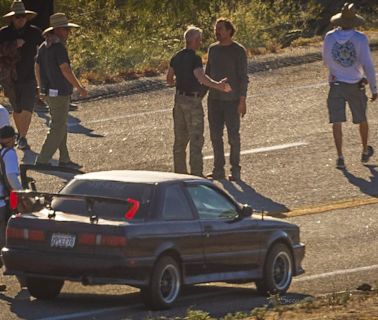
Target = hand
(374,97)
(83,92)
(40,95)
(20,43)
(242,108)
(224,86)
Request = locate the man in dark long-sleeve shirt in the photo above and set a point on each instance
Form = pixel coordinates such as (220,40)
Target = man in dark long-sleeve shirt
(226,59)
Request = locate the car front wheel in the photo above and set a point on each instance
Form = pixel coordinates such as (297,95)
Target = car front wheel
(165,285)
(44,289)
(278,271)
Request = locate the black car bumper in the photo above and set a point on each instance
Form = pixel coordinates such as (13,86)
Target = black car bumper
(83,268)
(299,253)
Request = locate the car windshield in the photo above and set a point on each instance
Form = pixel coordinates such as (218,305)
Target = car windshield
(111,189)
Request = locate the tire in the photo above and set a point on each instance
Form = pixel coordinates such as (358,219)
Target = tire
(165,285)
(44,289)
(278,271)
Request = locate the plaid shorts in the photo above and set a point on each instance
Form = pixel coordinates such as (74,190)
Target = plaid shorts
(339,94)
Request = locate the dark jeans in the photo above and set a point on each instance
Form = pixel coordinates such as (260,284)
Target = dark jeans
(4,214)
(222,113)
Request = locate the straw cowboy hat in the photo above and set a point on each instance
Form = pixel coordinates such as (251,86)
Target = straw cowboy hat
(347,18)
(18,8)
(59,20)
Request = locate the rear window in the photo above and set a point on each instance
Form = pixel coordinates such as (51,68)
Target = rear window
(105,210)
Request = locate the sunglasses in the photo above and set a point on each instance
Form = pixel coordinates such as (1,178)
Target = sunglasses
(20,16)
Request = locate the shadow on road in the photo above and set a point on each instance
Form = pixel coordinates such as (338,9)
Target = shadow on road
(217,300)
(74,125)
(245,194)
(368,187)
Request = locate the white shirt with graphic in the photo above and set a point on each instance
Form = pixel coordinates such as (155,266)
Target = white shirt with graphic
(347,55)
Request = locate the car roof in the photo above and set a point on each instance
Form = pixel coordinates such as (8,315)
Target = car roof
(137,176)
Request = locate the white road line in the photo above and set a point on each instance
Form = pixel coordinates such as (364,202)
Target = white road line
(266,149)
(336,273)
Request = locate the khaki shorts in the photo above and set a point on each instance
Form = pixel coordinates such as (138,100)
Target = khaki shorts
(339,94)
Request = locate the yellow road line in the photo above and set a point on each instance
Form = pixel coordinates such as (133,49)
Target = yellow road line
(343,204)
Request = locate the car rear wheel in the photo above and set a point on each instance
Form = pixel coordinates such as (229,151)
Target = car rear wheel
(44,289)
(165,285)
(278,271)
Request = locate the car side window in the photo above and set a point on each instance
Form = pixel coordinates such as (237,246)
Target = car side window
(176,206)
(211,204)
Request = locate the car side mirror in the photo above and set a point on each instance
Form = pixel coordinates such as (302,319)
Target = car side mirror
(246,211)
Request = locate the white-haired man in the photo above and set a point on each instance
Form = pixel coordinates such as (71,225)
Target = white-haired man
(187,74)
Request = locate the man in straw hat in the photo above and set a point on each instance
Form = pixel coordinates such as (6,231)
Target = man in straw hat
(18,43)
(57,80)
(347,55)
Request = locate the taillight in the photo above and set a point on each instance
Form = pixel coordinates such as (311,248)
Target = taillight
(113,241)
(87,239)
(92,239)
(15,233)
(26,234)
(129,215)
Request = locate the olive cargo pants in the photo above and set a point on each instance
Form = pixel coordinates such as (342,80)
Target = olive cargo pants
(188,120)
(57,135)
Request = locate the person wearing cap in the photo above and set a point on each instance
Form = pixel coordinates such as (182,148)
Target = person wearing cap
(9,179)
(347,55)
(56,80)
(187,74)
(24,39)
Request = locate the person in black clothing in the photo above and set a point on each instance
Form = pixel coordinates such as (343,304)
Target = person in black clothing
(187,74)
(26,38)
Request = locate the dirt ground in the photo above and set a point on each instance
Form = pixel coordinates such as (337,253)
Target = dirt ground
(340,306)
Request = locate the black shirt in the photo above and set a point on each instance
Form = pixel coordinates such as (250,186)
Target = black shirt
(50,59)
(183,63)
(33,38)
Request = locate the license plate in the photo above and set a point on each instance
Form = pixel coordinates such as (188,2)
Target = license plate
(60,240)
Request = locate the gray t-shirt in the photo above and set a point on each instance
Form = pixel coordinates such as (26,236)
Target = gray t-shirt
(228,62)
(49,59)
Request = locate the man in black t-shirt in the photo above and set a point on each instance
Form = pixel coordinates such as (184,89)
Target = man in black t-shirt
(187,74)
(26,38)
(56,80)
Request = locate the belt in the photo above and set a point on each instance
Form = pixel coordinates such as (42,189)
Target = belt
(188,94)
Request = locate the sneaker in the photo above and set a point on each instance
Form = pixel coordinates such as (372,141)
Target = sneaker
(366,156)
(340,164)
(22,144)
(73,107)
(216,176)
(70,164)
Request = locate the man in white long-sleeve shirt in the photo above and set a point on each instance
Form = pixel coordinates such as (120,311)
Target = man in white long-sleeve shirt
(347,55)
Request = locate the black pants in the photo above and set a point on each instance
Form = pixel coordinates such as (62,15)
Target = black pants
(4,215)
(221,113)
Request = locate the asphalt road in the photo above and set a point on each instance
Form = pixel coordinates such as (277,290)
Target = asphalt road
(288,163)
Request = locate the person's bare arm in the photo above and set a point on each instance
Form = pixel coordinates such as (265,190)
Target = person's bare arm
(37,72)
(208,82)
(171,77)
(71,78)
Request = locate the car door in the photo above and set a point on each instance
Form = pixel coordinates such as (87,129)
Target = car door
(230,244)
(183,226)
